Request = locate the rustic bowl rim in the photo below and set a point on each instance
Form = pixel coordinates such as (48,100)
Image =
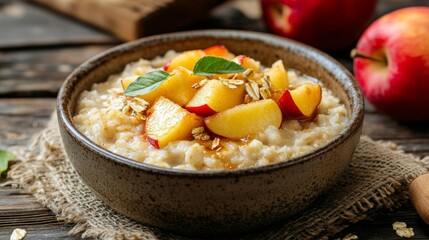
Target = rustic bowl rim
(342,75)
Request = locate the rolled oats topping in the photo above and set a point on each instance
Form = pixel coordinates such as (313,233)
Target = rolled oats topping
(200,133)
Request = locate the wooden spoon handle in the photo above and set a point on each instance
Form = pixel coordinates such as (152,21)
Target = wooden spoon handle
(419,196)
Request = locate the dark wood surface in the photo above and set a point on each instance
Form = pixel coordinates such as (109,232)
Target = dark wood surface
(34,65)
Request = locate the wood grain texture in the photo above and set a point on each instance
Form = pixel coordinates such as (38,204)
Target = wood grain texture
(20,210)
(28,25)
(40,72)
(21,118)
(130,20)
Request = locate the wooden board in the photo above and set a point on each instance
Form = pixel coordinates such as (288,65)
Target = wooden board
(26,25)
(129,19)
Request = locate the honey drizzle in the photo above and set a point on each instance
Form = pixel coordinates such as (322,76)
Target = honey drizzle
(217,152)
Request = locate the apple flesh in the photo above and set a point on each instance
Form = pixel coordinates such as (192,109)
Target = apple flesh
(327,25)
(301,102)
(214,97)
(178,87)
(244,120)
(168,122)
(218,51)
(248,62)
(279,78)
(391,66)
(186,59)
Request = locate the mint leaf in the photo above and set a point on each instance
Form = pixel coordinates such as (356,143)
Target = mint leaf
(146,83)
(5,157)
(210,65)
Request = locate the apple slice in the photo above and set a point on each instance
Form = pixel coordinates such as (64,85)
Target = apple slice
(279,78)
(300,102)
(125,82)
(168,122)
(214,97)
(218,51)
(248,62)
(178,87)
(245,119)
(186,59)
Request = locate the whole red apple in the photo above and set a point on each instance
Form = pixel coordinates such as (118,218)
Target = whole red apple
(391,64)
(327,25)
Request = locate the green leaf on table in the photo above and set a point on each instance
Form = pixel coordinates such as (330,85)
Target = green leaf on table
(146,83)
(210,65)
(5,157)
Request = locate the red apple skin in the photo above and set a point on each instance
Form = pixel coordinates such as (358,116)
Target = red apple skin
(288,106)
(327,25)
(398,87)
(152,142)
(167,65)
(203,111)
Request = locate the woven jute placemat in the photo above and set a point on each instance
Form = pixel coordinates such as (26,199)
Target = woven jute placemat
(377,179)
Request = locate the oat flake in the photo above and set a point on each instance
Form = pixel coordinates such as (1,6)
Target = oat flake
(18,234)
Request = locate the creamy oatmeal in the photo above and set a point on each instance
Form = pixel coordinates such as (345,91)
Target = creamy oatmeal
(117,123)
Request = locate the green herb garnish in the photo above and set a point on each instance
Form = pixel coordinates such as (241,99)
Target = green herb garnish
(146,83)
(5,157)
(210,65)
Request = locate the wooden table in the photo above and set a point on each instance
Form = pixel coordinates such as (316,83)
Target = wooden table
(39,48)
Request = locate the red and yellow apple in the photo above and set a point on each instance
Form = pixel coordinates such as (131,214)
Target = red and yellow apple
(215,97)
(245,119)
(391,64)
(327,25)
(301,102)
(168,122)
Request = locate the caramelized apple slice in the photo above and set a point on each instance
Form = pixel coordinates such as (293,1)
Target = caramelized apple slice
(178,87)
(186,59)
(214,97)
(169,122)
(279,79)
(219,51)
(300,102)
(245,119)
(248,62)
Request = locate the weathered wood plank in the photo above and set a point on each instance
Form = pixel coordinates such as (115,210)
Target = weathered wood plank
(40,72)
(130,20)
(41,232)
(21,118)
(29,25)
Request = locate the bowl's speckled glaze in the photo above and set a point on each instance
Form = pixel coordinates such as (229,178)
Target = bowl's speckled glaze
(211,202)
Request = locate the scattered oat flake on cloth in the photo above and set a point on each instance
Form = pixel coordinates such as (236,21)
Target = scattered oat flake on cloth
(350,236)
(402,230)
(18,234)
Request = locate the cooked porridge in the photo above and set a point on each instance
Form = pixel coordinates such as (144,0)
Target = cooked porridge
(120,123)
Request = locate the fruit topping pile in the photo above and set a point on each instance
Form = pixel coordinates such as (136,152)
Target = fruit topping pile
(210,94)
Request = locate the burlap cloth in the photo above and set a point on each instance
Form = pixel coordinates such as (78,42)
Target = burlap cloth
(377,180)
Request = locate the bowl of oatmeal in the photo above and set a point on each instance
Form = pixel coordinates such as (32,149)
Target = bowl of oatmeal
(210,132)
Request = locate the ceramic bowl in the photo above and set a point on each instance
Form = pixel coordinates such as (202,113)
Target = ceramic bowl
(211,202)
